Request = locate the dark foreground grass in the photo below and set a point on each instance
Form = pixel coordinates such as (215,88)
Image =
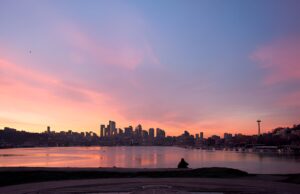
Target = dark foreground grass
(28,176)
(292,178)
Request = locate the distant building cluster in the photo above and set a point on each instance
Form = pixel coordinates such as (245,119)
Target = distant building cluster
(10,137)
(110,135)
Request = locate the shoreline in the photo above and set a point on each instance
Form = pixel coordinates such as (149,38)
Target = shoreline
(125,169)
(20,180)
(20,175)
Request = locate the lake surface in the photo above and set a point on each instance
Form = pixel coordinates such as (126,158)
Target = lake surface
(147,157)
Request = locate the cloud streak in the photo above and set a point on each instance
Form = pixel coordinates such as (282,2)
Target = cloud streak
(280,59)
(46,98)
(118,50)
(18,76)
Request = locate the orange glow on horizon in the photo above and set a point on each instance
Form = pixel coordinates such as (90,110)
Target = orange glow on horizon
(35,100)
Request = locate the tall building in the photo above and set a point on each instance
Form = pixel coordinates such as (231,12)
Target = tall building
(151,133)
(138,130)
(112,128)
(227,136)
(160,133)
(48,129)
(107,131)
(102,130)
(186,133)
(201,136)
(128,131)
(115,131)
(145,134)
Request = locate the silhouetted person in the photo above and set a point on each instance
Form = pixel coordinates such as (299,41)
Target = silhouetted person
(182,164)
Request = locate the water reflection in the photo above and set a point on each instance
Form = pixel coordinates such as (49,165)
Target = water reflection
(147,157)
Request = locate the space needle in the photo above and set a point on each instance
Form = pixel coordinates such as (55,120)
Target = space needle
(258,123)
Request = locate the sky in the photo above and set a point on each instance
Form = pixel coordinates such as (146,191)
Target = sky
(199,65)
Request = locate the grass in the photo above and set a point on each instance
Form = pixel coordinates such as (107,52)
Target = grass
(292,178)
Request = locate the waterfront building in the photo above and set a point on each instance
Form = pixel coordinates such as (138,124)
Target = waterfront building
(107,131)
(145,134)
(138,131)
(102,130)
(128,131)
(160,134)
(151,133)
(112,128)
(227,136)
(201,136)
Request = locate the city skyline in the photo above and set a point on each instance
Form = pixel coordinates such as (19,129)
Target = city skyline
(112,129)
(183,65)
(111,135)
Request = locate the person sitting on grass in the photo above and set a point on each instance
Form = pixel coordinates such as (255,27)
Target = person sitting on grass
(182,164)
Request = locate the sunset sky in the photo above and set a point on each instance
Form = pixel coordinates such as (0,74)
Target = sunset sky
(214,66)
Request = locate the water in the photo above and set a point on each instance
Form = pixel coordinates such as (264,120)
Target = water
(146,157)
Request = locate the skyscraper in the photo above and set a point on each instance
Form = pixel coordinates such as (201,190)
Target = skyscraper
(128,131)
(227,136)
(138,130)
(151,133)
(112,128)
(107,131)
(160,133)
(201,136)
(145,134)
(102,130)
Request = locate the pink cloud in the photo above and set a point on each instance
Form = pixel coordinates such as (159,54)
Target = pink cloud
(290,100)
(31,99)
(31,91)
(18,76)
(281,60)
(120,52)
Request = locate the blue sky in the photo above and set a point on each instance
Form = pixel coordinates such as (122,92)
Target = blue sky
(210,66)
